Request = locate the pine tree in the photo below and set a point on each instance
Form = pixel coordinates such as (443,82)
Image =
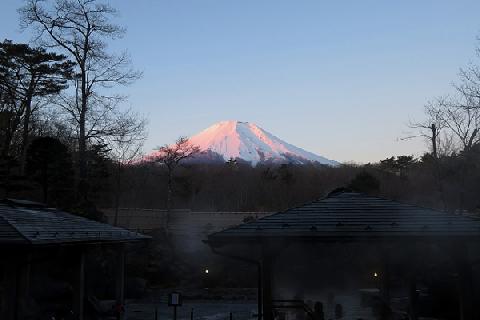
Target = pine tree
(49,164)
(27,73)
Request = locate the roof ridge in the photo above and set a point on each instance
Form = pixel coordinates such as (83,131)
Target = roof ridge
(21,203)
(357,215)
(345,190)
(40,226)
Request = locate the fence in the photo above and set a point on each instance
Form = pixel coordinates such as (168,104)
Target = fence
(182,222)
(187,228)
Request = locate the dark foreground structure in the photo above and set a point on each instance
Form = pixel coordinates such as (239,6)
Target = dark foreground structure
(32,236)
(361,256)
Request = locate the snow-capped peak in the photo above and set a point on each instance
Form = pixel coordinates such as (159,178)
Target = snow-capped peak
(248,142)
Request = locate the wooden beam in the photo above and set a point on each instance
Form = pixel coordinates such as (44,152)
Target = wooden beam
(385,281)
(259,291)
(266,273)
(120,281)
(415,254)
(413,297)
(465,286)
(79,286)
(23,290)
(385,276)
(9,295)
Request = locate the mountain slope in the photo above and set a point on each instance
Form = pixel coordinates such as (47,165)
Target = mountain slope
(249,142)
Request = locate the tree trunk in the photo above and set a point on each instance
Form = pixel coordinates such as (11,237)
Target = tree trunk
(117,193)
(434,141)
(26,128)
(82,139)
(169,199)
(12,124)
(27,115)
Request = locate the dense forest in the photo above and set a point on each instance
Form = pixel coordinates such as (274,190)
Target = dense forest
(449,183)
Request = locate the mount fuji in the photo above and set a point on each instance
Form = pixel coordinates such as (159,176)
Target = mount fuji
(248,142)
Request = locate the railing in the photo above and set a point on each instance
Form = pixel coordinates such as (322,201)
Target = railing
(293,304)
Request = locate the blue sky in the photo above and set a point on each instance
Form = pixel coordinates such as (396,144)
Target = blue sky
(338,78)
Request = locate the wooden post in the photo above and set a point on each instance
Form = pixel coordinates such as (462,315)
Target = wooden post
(259,291)
(385,276)
(413,297)
(23,290)
(79,286)
(10,294)
(465,287)
(267,284)
(120,281)
(385,281)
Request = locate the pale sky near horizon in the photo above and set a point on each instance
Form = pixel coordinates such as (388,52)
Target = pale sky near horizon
(337,78)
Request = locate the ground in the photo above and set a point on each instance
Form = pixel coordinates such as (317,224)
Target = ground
(202,310)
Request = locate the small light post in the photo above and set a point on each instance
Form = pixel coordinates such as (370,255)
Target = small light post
(206,278)
(175,300)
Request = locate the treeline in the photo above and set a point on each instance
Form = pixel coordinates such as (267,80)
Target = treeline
(450,183)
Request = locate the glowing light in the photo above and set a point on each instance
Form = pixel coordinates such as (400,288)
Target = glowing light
(206,270)
(375,274)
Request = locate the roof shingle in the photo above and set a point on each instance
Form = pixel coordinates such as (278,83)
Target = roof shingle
(44,226)
(347,215)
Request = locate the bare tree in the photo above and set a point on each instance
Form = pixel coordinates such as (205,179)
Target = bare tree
(125,150)
(461,116)
(457,115)
(171,156)
(465,111)
(431,128)
(452,122)
(80,29)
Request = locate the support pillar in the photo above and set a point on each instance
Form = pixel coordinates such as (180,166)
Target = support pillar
(10,292)
(465,286)
(259,291)
(79,286)
(23,283)
(415,255)
(385,282)
(385,277)
(413,298)
(267,284)
(120,281)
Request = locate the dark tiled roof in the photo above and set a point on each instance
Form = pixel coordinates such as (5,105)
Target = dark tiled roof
(350,215)
(9,234)
(43,226)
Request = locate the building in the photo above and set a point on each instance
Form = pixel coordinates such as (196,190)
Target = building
(31,233)
(395,255)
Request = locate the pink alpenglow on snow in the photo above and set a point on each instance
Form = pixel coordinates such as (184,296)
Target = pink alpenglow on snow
(248,142)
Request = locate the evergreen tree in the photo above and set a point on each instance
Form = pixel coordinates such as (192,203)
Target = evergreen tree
(49,164)
(27,73)
(365,182)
